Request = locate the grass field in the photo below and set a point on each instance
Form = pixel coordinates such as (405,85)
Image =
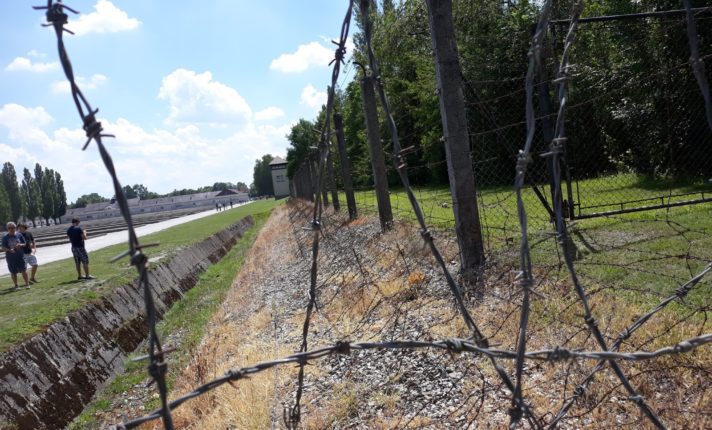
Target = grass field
(26,312)
(652,251)
(189,316)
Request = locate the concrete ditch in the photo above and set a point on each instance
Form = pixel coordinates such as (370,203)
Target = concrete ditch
(47,380)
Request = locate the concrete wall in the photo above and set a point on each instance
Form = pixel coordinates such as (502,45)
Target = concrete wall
(47,380)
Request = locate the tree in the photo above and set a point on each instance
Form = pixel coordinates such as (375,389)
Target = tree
(86,199)
(47,191)
(262,176)
(222,186)
(301,138)
(4,206)
(9,181)
(60,203)
(242,187)
(129,192)
(31,195)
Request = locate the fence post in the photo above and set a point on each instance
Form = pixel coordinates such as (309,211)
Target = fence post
(376,150)
(311,181)
(345,166)
(332,181)
(457,142)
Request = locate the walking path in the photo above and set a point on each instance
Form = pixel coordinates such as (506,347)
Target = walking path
(48,254)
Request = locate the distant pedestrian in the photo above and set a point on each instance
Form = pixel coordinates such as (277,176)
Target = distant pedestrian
(230,204)
(13,244)
(217,207)
(30,251)
(77,236)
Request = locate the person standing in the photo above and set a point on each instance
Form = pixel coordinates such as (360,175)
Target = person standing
(30,250)
(13,244)
(77,236)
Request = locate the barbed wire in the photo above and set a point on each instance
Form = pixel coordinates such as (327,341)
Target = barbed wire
(478,344)
(558,146)
(157,368)
(455,345)
(292,419)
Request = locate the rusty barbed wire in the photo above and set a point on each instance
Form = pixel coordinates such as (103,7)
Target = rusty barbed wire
(557,148)
(454,345)
(292,419)
(478,344)
(400,164)
(157,368)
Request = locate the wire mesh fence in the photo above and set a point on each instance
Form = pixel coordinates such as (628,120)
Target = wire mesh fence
(568,323)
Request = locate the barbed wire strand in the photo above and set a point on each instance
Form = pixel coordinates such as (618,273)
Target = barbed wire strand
(557,147)
(679,294)
(400,164)
(157,368)
(292,421)
(526,279)
(454,345)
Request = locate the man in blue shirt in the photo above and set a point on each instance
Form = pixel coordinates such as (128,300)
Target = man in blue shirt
(77,236)
(13,244)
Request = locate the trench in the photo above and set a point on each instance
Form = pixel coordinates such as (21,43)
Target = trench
(48,379)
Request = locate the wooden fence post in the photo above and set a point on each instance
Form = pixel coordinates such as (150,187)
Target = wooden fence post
(457,142)
(345,166)
(376,150)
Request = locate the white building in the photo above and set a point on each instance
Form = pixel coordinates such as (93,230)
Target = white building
(137,206)
(280,182)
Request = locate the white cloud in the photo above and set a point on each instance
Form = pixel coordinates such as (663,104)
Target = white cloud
(36,54)
(22,64)
(313,98)
(308,55)
(62,87)
(15,117)
(197,98)
(107,18)
(269,114)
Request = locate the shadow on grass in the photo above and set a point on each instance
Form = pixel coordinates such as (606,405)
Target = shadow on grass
(71,281)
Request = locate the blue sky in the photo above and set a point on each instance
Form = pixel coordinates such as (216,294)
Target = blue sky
(194,91)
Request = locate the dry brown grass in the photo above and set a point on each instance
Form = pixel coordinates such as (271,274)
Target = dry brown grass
(231,345)
(385,292)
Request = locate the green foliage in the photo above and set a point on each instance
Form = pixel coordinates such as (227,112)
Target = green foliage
(86,199)
(47,187)
(262,176)
(12,190)
(4,207)
(60,207)
(31,195)
(301,138)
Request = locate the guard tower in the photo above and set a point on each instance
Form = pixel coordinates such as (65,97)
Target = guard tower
(280,183)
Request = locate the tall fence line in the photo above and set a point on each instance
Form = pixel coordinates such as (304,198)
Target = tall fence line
(310,183)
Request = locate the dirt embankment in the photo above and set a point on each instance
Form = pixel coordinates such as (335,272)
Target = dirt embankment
(47,380)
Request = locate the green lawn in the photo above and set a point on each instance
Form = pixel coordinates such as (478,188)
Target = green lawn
(190,315)
(642,253)
(24,313)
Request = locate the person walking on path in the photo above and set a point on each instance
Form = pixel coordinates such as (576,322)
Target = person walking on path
(30,250)
(77,236)
(13,244)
